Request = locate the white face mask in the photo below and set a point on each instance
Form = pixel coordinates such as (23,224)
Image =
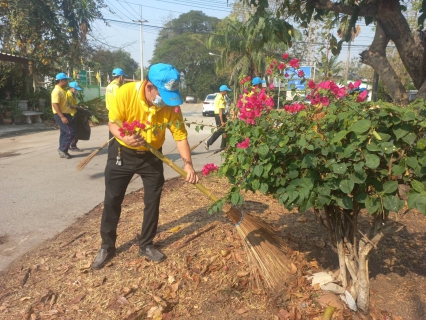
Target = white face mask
(158,101)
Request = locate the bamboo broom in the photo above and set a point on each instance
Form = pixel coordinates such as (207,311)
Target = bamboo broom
(85,161)
(266,251)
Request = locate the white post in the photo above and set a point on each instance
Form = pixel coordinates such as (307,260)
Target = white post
(90,77)
(279,90)
(141,21)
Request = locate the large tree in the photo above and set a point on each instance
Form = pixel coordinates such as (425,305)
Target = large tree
(182,44)
(49,33)
(391,24)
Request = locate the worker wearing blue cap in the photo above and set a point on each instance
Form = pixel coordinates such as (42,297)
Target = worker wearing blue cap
(72,103)
(62,115)
(220,117)
(111,90)
(155,103)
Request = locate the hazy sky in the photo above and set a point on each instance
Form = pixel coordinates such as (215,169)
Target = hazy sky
(123,33)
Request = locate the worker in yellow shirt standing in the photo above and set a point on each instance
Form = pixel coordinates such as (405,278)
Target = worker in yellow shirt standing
(154,102)
(111,90)
(220,117)
(62,114)
(72,103)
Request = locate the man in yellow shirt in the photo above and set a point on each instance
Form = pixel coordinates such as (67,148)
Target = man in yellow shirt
(220,117)
(72,103)
(62,114)
(111,89)
(155,103)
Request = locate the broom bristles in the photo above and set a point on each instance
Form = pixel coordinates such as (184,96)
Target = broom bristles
(266,252)
(85,161)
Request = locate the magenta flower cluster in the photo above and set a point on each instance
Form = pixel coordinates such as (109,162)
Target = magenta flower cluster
(252,105)
(208,168)
(130,129)
(295,107)
(245,144)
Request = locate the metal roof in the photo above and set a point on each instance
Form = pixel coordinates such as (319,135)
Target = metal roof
(12,58)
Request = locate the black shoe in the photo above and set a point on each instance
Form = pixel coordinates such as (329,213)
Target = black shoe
(206,145)
(102,258)
(75,149)
(152,253)
(63,154)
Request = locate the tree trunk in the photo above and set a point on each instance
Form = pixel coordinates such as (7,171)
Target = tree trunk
(363,298)
(375,57)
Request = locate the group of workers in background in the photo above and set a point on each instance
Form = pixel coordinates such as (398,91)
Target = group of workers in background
(155,101)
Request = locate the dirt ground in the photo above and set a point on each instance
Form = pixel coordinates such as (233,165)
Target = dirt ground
(205,275)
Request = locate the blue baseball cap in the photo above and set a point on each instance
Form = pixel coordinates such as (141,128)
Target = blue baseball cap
(74,85)
(118,72)
(257,81)
(224,87)
(166,78)
(62,76)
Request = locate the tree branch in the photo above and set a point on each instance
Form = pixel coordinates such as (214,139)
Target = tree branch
(364,11)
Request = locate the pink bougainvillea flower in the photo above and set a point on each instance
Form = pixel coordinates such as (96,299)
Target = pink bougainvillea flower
(341,92)
(253,105)
(301,73)
(295,107)
(268,71)
(281,66)
(271,86)
(285,55)
(129,129)
(357,83)
(325,101)
(245,144)
(362,96)
(286,75)
(208,168)
(176,109)
(294,63)
(311,84)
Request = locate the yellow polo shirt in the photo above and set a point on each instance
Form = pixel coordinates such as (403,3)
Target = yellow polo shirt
(71,101)
(111,92)
(59,96)
(130,105)
(219,103)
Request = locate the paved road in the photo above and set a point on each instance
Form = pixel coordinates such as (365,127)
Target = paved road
(41,194)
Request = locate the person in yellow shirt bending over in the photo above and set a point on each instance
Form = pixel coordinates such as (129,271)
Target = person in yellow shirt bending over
(220,117)
(111,90)
(154,102)
(72,103)
(62,114)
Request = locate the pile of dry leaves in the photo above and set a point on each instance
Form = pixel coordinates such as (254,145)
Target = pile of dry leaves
(205,276)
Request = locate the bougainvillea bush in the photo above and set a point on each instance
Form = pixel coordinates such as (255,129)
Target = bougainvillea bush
(336,156)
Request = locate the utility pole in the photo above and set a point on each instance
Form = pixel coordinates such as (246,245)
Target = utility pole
(141,21)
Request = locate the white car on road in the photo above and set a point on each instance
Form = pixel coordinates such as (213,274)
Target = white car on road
(208,105)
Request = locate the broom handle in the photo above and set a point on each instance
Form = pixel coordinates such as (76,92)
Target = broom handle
(179,170)
(194,146)
(105,144)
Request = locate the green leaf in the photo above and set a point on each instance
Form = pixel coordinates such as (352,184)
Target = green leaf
(401,130)
(418,186)
(390,186)
(346,186)
(409,138)
(372,161)
(339,168)
(263,150)
(345,202)
(421,203)
(360,126)
(412,198)
(412,162)
(388,147)
(392,203)
(236,198)
(263,188)
(255,184)
(359,166)
(258,170)
(310,160)
(293,174)
(398,169)
(372,204)
(421,144)
(408,116)
(339,136)
(361,197)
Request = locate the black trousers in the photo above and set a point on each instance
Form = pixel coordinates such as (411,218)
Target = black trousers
(117,178)
(218,132)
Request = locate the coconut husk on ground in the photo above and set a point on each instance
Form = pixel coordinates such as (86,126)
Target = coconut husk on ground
(206,275)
